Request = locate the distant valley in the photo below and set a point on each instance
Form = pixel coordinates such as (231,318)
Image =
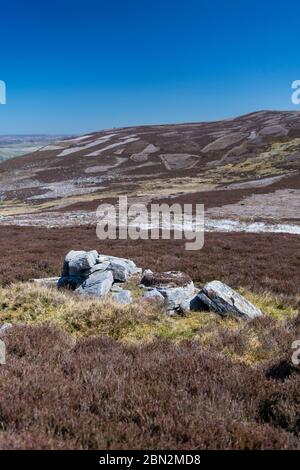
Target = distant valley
(17,145)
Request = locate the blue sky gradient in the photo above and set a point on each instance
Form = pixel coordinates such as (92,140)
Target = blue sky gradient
(77,66)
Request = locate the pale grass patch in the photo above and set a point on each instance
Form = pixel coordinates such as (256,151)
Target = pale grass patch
(144,320)
(272,305)
(30,303)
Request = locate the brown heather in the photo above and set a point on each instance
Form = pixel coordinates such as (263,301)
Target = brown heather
(98,393)
(264,262)
(95,375)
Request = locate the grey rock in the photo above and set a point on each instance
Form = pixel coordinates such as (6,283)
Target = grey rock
(122,297)
(102,259)
(72,262)
(176,296)
(154,294)
(73,254)
(128,263)
(97,267)
(5,326)
(185,306)
(174,286)
(255,138)
(82,261)
(220,298)
(119,270)
(147,272)
(98,284)
(68,258)
(122,268)
(90,273)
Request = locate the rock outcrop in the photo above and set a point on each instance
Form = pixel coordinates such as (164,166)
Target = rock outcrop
(176,287)
(220,298)
(91,274)
(88,273)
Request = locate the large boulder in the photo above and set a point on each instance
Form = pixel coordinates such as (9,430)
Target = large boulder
(77,267)
(121,268)
(89,273)
(81,262)
(175,287)
(220,298)
(97,284)
(78,261)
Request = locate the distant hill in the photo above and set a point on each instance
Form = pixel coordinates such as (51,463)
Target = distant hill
(221,163)
(16,145)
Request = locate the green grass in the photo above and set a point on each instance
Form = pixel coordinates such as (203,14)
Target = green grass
(143,321)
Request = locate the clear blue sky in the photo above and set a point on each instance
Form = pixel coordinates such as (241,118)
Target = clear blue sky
(76,66)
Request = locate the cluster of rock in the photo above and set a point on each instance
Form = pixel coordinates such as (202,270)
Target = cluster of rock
(88,273)
(175,289)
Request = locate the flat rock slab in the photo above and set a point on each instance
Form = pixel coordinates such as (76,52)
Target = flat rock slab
(47,281)
(97,285)
(220,298)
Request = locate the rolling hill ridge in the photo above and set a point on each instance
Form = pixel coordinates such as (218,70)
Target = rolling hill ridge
(244,167)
